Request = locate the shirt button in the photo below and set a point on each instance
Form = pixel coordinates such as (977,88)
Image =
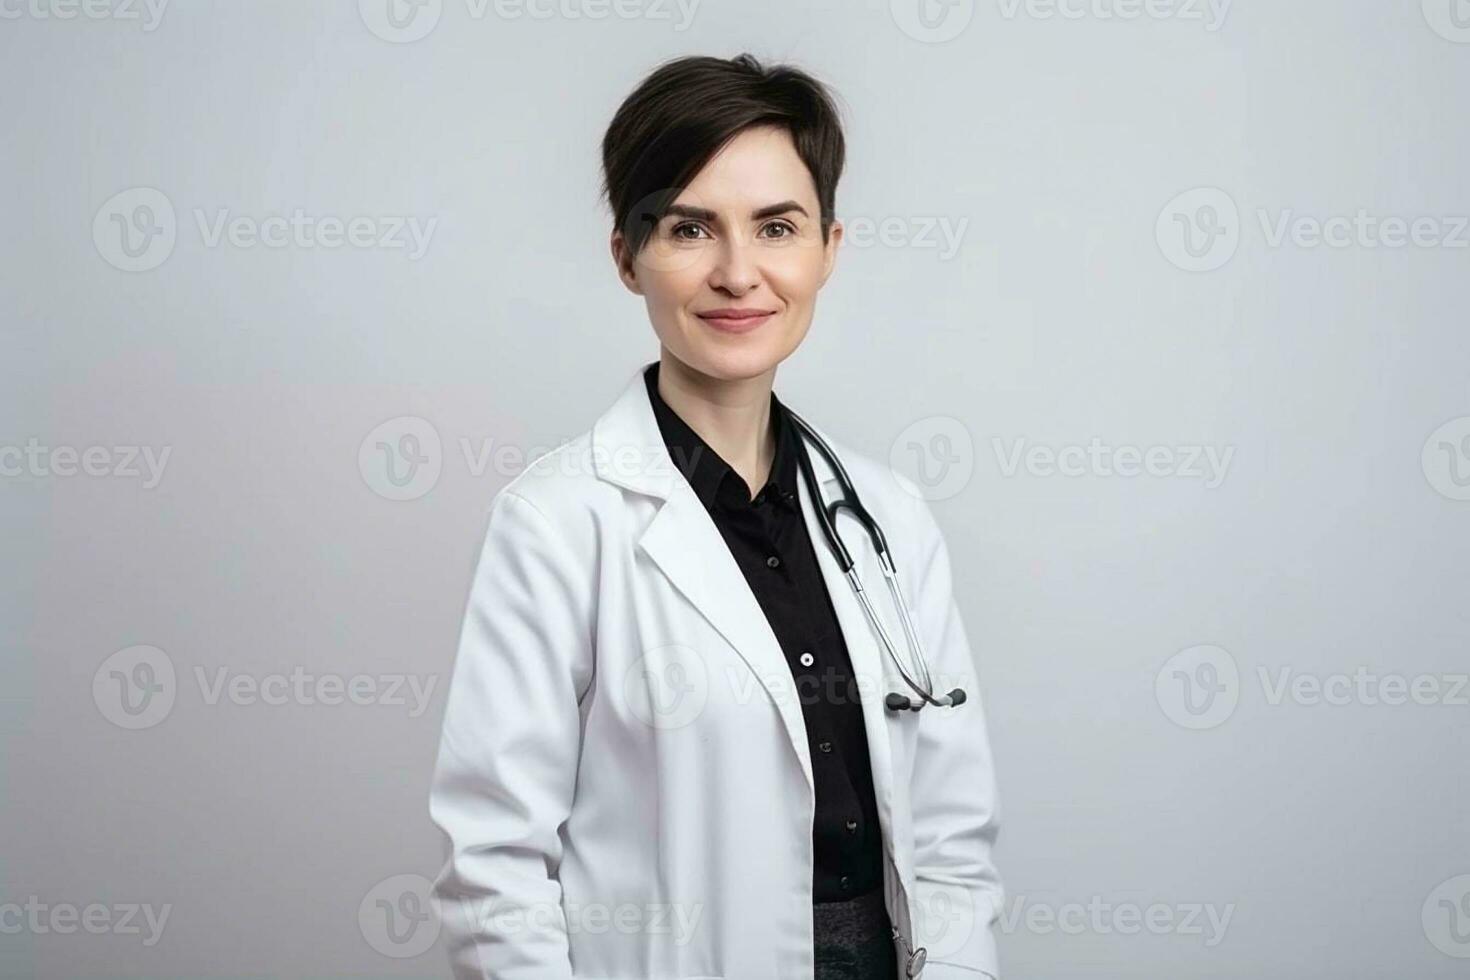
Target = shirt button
(845,882)
(851,826)
(824,746)
(772,561)
(807,659)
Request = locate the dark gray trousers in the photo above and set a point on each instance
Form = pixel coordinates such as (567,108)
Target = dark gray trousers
(854,940)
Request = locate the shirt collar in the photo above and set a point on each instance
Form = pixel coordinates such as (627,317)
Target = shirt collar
(713,480)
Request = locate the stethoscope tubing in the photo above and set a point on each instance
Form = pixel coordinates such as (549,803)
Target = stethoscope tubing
(827,518)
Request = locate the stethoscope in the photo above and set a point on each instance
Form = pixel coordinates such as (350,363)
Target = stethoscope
(827,517)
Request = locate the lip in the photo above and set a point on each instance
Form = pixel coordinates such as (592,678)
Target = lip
(736,320)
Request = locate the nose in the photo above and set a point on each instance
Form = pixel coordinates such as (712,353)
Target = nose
(735,270)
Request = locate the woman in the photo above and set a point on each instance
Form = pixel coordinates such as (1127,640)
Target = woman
(666,750)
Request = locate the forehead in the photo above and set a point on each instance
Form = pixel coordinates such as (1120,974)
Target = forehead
(758,166)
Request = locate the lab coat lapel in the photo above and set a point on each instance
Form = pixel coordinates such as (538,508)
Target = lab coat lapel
(688,548)
(686,545)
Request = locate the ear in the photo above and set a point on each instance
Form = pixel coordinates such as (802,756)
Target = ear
(623,260)
(829,250)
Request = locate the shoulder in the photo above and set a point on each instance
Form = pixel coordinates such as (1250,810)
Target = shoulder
(556,478)
(562,490)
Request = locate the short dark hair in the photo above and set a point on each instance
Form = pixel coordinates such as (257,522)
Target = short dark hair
(687,109)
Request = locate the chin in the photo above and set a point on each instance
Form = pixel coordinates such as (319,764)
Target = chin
(739,358)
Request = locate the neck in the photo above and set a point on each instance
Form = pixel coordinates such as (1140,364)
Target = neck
(733,417)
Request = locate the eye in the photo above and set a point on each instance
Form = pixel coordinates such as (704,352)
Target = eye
(678,232)
(786,229)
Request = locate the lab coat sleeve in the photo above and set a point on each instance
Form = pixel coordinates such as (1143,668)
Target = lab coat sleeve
(508,749)
(952,792)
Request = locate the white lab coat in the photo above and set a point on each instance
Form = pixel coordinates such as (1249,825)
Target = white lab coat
(623,781)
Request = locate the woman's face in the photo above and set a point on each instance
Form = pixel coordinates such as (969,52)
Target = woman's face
(743,238)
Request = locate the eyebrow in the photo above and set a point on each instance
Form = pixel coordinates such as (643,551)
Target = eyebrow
(705,214)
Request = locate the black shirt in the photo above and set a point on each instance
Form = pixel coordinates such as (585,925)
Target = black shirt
(768,538)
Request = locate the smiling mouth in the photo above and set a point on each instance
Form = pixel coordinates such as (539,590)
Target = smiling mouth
(736,321)
(736,314)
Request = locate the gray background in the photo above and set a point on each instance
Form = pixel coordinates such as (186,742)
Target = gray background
(1333,834)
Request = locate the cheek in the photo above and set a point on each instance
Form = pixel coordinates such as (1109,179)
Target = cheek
(672,285)
(796,274)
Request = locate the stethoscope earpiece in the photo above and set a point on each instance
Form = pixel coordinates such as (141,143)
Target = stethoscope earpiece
(897,702)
